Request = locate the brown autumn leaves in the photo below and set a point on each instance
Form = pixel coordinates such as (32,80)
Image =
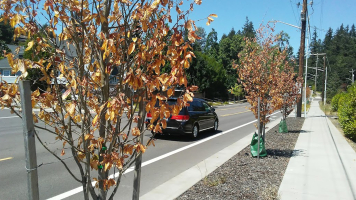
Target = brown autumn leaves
(266,72)
(104,73)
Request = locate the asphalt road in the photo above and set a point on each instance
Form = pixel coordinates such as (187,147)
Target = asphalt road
(171,156)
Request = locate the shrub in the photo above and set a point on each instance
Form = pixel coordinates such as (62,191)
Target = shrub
(347,113)
(335,101)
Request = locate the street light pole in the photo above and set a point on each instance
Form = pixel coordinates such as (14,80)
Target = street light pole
(353,76)
(326,77)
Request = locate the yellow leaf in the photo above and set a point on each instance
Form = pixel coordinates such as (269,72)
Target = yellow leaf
(88,137)
(112,115)
(33,103)
(71,109)
(213,15)
(95,119)
(81,155)
(134,39)
(102,19)
(142,148)
(136,131)
(131,48)
(35,120)
(107,166)
(36,93)
(14,20)
(29,46)
(10,60)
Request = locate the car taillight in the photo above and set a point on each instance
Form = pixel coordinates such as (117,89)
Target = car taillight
(148,116)
(180,118)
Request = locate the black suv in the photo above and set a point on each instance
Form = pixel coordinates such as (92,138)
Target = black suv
(199,116)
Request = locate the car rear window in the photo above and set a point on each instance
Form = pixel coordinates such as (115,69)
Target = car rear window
(173,102)
(196,106)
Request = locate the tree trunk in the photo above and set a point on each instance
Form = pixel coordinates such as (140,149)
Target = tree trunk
(138,162)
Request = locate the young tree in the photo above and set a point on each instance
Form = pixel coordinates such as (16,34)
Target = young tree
(288,85)
(259,69)
(91,40)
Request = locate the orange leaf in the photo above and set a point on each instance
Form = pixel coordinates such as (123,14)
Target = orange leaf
(131,48)
(136,131)
(66,94)
(164,124)
(170,92)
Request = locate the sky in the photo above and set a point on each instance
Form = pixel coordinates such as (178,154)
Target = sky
(232,14)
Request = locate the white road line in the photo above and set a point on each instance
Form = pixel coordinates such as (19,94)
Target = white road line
(80,189)
(8,117)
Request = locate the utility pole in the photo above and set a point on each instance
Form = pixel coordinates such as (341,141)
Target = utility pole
(317,60)
(301,53)
(29,138)
(316,70)
(324,90)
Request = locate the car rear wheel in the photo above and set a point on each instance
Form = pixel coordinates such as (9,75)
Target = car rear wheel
(195,131)
(216,125)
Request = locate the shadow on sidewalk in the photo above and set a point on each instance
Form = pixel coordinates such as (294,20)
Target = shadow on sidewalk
(288,153)
(297,131)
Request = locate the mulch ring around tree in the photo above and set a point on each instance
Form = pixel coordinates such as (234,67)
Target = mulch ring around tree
(245,177)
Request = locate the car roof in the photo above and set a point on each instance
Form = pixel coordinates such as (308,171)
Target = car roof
(194,99)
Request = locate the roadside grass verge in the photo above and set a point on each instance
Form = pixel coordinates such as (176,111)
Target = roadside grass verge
(334,119)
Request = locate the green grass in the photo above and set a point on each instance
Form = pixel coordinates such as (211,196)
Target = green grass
(327,109)
(214,181)
(308,107)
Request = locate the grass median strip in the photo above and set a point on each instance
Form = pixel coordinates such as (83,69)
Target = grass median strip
(3,159)
(235,113)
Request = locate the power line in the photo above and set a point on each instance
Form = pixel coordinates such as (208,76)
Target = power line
(293,11)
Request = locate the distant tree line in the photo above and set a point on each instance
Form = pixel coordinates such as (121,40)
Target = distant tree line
(212,69)
(340,49)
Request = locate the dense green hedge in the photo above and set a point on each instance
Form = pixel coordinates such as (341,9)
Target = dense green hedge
(347,112)
(335,101)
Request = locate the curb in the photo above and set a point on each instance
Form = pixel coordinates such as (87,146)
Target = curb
(182,182)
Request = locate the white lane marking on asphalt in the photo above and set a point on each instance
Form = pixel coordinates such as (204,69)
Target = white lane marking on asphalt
(80,189)
(8,117)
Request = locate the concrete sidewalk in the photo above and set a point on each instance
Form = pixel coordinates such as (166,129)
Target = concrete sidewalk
(323,165)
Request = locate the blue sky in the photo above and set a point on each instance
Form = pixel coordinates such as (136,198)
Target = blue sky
(232,14)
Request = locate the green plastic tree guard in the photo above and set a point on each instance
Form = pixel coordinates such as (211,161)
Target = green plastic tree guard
(283,126)
(254,146)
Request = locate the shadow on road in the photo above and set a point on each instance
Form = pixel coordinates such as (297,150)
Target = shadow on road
(187,138)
